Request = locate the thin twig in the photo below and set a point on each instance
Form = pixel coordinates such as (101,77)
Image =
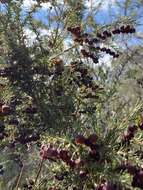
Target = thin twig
(57,55)
(39,170)
(19,178)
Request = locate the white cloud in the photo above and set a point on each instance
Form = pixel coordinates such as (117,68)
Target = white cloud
(49,5)
(30,36)
(46,5)
(27,4)
(106,60)
(44,32)
(67,43)
(103,4)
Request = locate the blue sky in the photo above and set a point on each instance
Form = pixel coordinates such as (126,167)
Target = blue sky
(107,12)
(107,7)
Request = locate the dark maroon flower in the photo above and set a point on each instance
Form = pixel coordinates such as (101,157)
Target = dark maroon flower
(94,155)
(84,53)
(131,169)
(13,122)
(6,109)
(121,168)
(132,129)
(116,55)
(2,127)
(53,188)
(141,126)
(59,177)
(90,42)
(83,174)
(80,139)
(109,186)
(103,49)
(99,35)
(122,28)
(69,29)
(48,152)
(92,139)
(132,30)
(127,136)
(1,136)
(138,179)
(64,155)
(71,163)
(95,40)
(87,142)
(116,31)
(106,33)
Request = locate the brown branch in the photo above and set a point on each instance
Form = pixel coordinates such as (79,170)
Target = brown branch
(66,50)
(19,178)
(39,170)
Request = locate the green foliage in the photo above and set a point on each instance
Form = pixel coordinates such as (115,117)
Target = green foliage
(64,97)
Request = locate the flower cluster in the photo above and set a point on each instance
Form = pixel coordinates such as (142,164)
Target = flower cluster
(5,109)
(129,134)
(52,153)
(87,41)
(135,171)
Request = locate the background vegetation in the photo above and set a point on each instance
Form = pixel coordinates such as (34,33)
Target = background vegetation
(71,91)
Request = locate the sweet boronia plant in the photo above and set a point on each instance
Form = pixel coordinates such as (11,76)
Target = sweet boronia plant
(53,103)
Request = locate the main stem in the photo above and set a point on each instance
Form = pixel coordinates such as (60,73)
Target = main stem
(19,178)
(39,170)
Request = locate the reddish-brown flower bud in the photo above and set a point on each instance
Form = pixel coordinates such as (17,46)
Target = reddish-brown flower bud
(80,139)
(6,109)
(93,139)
